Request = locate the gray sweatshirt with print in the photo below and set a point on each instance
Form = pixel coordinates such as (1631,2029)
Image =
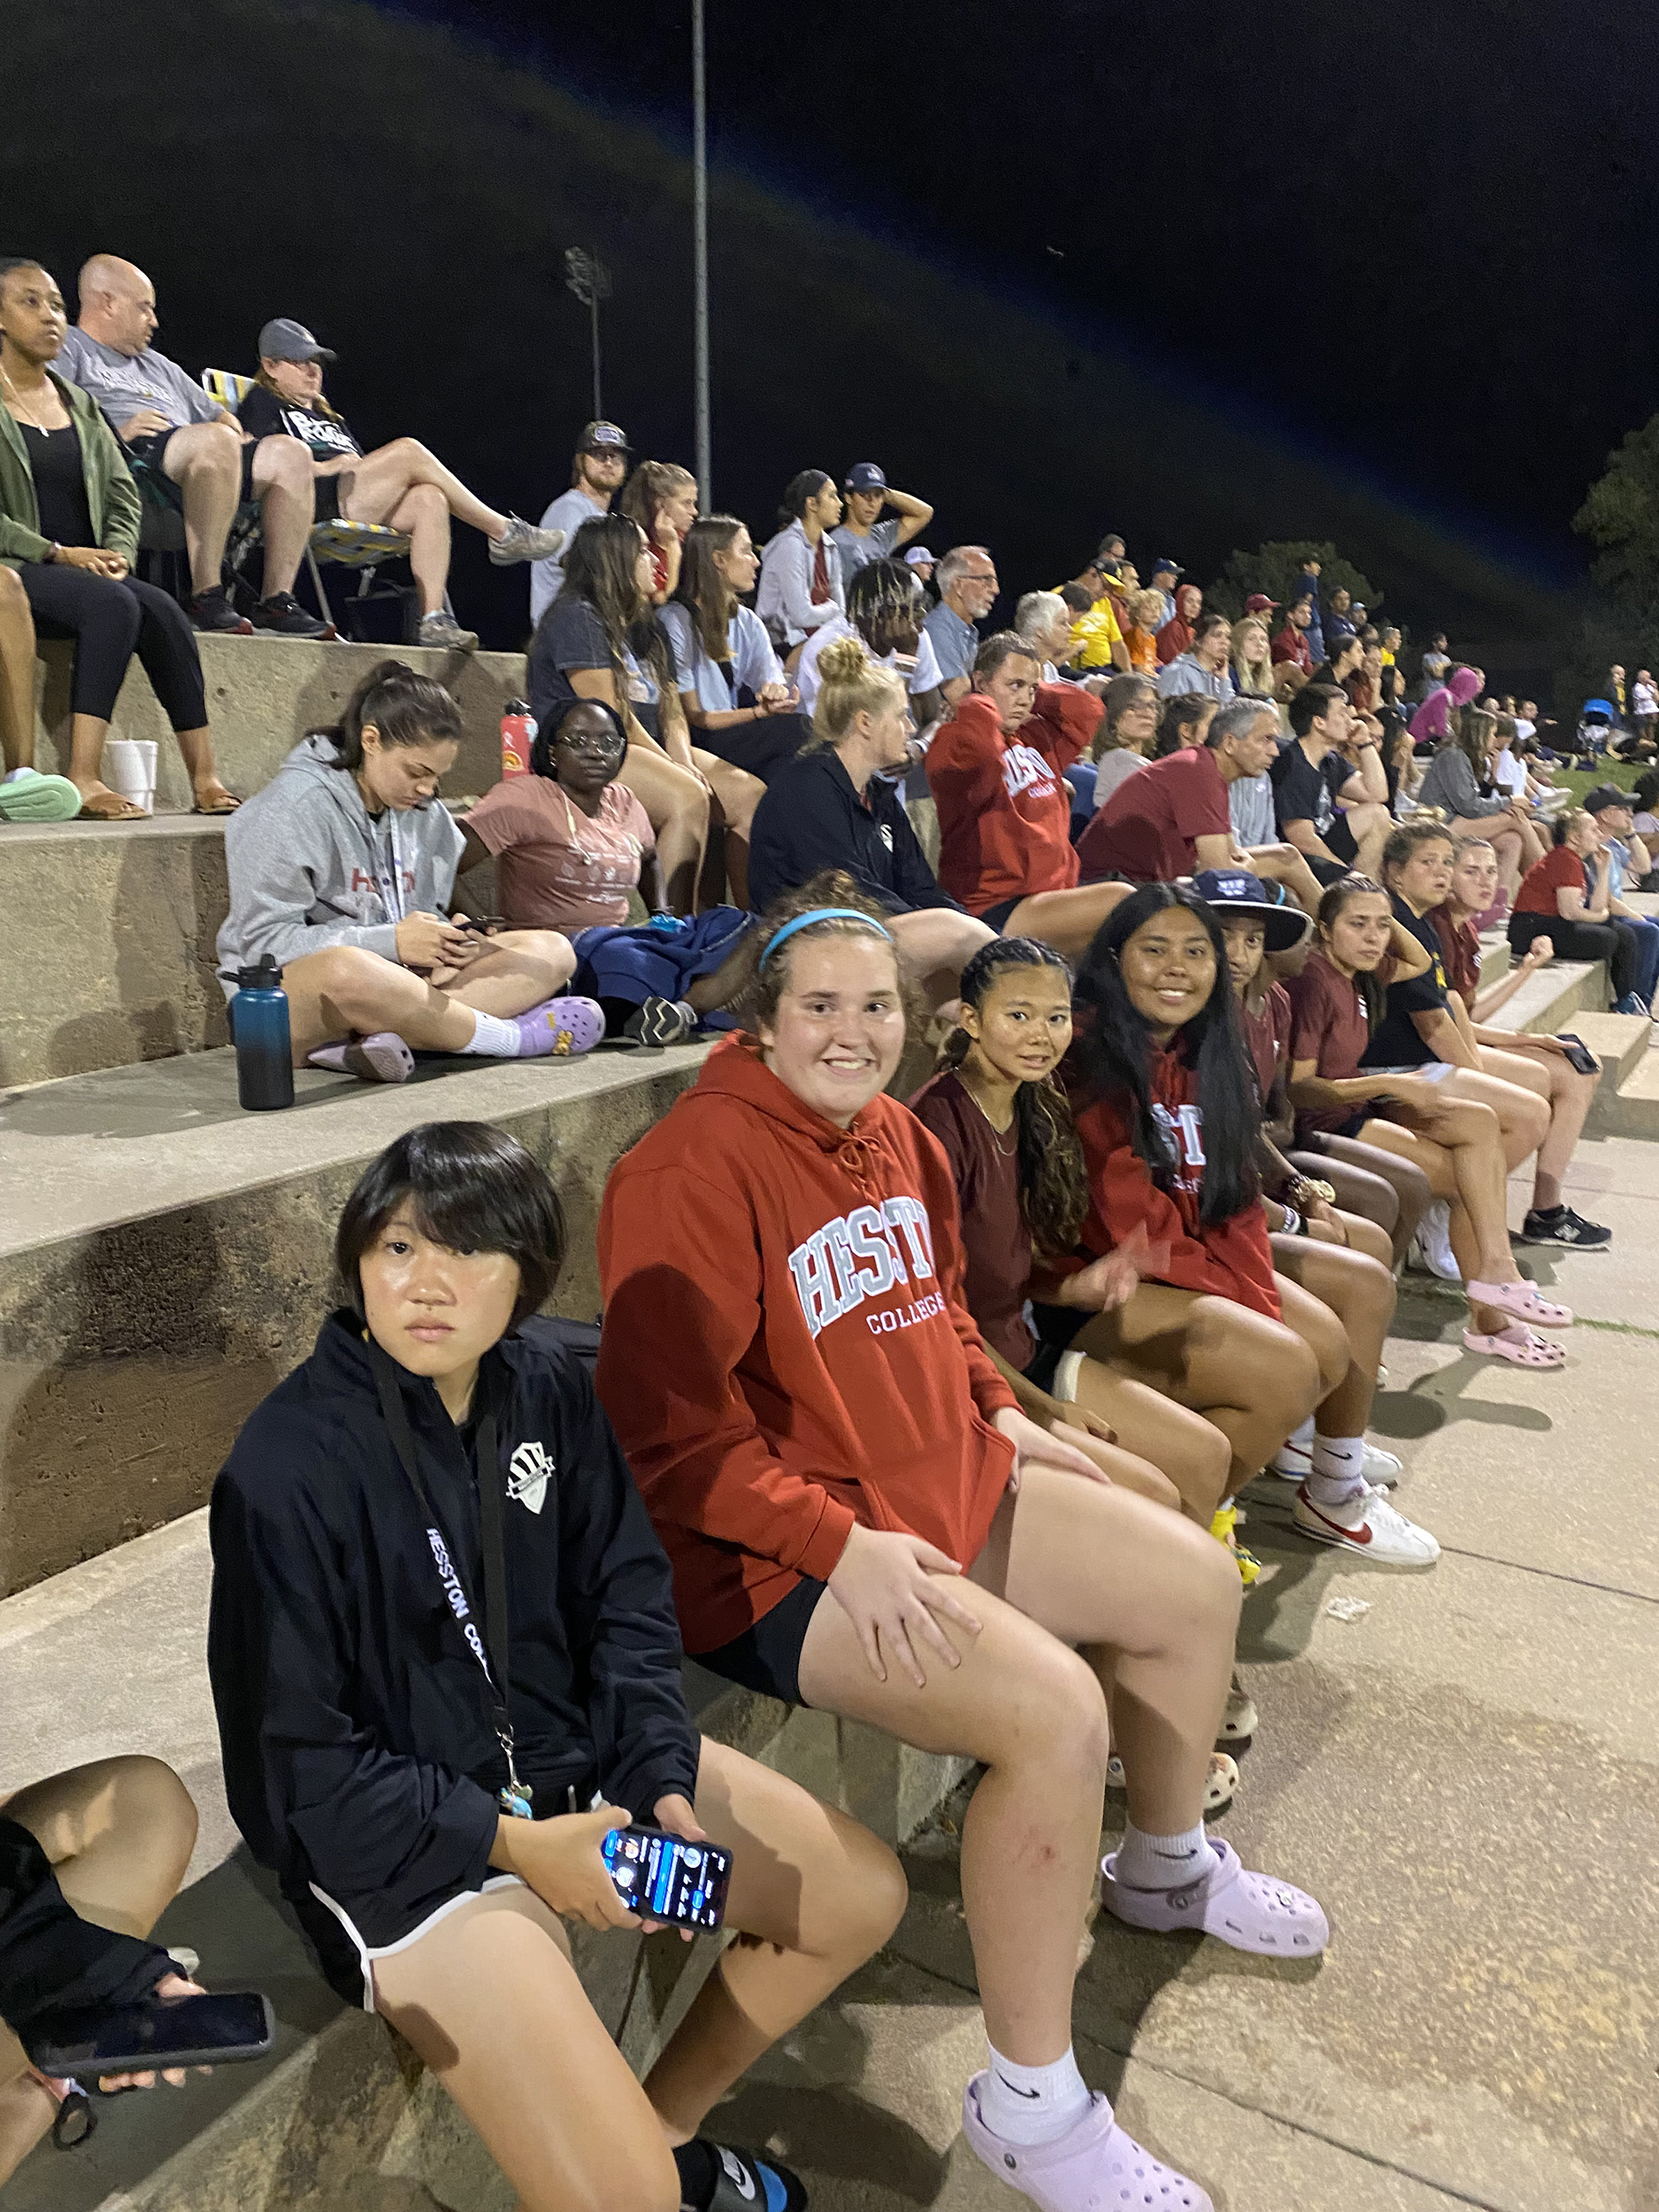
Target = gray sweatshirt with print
(310,866)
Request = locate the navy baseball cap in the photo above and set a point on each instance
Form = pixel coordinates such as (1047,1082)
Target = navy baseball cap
(1174,567)
(284,340)
(866,476)
(1231,891)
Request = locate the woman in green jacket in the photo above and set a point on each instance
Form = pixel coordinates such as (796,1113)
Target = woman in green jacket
(69,516)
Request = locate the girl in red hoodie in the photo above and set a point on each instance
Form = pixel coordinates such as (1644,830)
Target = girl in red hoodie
(1166,1111)
(860,1519)
(995,771)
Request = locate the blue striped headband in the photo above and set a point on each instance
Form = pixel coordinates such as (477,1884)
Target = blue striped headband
(821,914)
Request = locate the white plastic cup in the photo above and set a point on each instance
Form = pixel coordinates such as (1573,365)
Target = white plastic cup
(129,768)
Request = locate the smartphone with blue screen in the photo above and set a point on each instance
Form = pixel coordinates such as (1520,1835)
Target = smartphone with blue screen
(663,1878)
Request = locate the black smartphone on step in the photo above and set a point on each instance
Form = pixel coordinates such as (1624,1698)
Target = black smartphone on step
(213,2031)
(1578,1054)
(663,1878)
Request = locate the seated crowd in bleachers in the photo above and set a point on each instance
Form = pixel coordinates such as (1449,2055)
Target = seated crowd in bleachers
(939,1413)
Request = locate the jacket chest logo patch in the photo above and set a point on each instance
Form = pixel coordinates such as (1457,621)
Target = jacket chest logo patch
(529,1471)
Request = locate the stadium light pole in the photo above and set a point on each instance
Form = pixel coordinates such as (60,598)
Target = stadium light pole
(700,255)
(586,276)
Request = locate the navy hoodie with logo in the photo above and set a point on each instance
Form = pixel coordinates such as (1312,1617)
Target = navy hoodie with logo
(361,1761)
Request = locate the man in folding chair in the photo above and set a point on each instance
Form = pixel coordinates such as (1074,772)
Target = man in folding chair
(189,453)
(400,486)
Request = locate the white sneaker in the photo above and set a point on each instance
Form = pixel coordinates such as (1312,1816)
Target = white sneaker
(1369,1527)
(1294,1463)
(1434,1242)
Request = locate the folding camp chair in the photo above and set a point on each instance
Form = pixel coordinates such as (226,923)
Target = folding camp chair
(363,546)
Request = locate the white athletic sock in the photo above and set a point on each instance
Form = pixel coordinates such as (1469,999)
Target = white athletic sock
(1032,2104)
(1303,1436)
(493,1039)
(1163,1862)
(1338,1472)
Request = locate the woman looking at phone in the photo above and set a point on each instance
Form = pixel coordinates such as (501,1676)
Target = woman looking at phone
(342,869)
(1363,949)
(430,1819)
(826,1451)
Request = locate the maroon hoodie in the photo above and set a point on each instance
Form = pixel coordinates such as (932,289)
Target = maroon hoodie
(785,1348)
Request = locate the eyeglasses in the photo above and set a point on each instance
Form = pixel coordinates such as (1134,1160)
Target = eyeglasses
(600,748)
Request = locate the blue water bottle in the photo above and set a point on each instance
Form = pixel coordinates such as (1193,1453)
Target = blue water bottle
(260,1027)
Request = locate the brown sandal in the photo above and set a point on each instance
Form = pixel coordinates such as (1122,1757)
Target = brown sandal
(109,806)
(227,802)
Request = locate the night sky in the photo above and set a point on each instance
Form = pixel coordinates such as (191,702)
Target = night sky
(1376,274)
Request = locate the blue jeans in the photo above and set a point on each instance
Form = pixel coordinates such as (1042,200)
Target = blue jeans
(1644,936)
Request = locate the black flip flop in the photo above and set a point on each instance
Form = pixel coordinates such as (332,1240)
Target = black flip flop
(713,2178)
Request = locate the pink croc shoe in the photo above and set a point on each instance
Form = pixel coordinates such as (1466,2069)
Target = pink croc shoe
(1095,2167)
(1252,1912)
(562,1026)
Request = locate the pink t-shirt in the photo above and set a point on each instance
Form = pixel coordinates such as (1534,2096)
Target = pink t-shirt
(556,867)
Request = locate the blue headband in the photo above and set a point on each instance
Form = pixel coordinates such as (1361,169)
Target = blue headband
(821,914)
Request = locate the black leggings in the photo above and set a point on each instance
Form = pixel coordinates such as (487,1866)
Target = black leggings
(1581,941)
(110,622)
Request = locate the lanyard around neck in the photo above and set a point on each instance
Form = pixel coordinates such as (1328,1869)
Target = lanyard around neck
(492,1651)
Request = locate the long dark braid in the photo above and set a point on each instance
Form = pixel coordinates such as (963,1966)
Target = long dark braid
(1053,1182)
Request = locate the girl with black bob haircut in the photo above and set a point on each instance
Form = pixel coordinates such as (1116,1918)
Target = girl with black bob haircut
(1165,1105)
(445,1662)
(342,869)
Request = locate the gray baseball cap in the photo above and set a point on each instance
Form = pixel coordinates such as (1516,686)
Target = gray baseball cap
(284,340)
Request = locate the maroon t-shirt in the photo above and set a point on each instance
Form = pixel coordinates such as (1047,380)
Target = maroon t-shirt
(1267,1033)
(994,1238)
(1460,951)
(1146,829)
(1328,1027)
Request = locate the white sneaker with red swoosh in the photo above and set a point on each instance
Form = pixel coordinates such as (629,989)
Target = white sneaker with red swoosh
(1367,1526)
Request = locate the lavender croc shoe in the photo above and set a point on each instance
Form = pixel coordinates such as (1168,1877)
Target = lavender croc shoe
(382,1057)
(1252,1912)
(1094,2168)
(559,1026)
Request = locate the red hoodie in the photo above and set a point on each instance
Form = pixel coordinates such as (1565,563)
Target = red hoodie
(1004,816)
(785,1348)
(1232,1258)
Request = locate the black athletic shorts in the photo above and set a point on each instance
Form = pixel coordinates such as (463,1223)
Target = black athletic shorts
(1340,838)
(144,457)
(766,1658)
(996,916)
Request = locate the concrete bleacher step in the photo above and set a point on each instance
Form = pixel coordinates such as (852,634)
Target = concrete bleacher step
(264,693)
(108,1658)
(164,1258)
(140,904)
(1553,995)
(1633,1110)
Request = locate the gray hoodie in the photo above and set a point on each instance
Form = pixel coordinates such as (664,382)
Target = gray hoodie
(309,866)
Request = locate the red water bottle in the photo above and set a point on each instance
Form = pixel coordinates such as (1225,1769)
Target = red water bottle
(517,735)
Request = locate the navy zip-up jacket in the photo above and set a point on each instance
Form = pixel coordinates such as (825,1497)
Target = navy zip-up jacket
(360,1754)
(811,818)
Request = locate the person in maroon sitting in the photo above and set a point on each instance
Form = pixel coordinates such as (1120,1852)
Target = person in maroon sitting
(1172,817)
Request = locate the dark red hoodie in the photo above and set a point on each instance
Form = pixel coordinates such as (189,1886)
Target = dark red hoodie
(1005,815)
(1232,1258)
(785,1348)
